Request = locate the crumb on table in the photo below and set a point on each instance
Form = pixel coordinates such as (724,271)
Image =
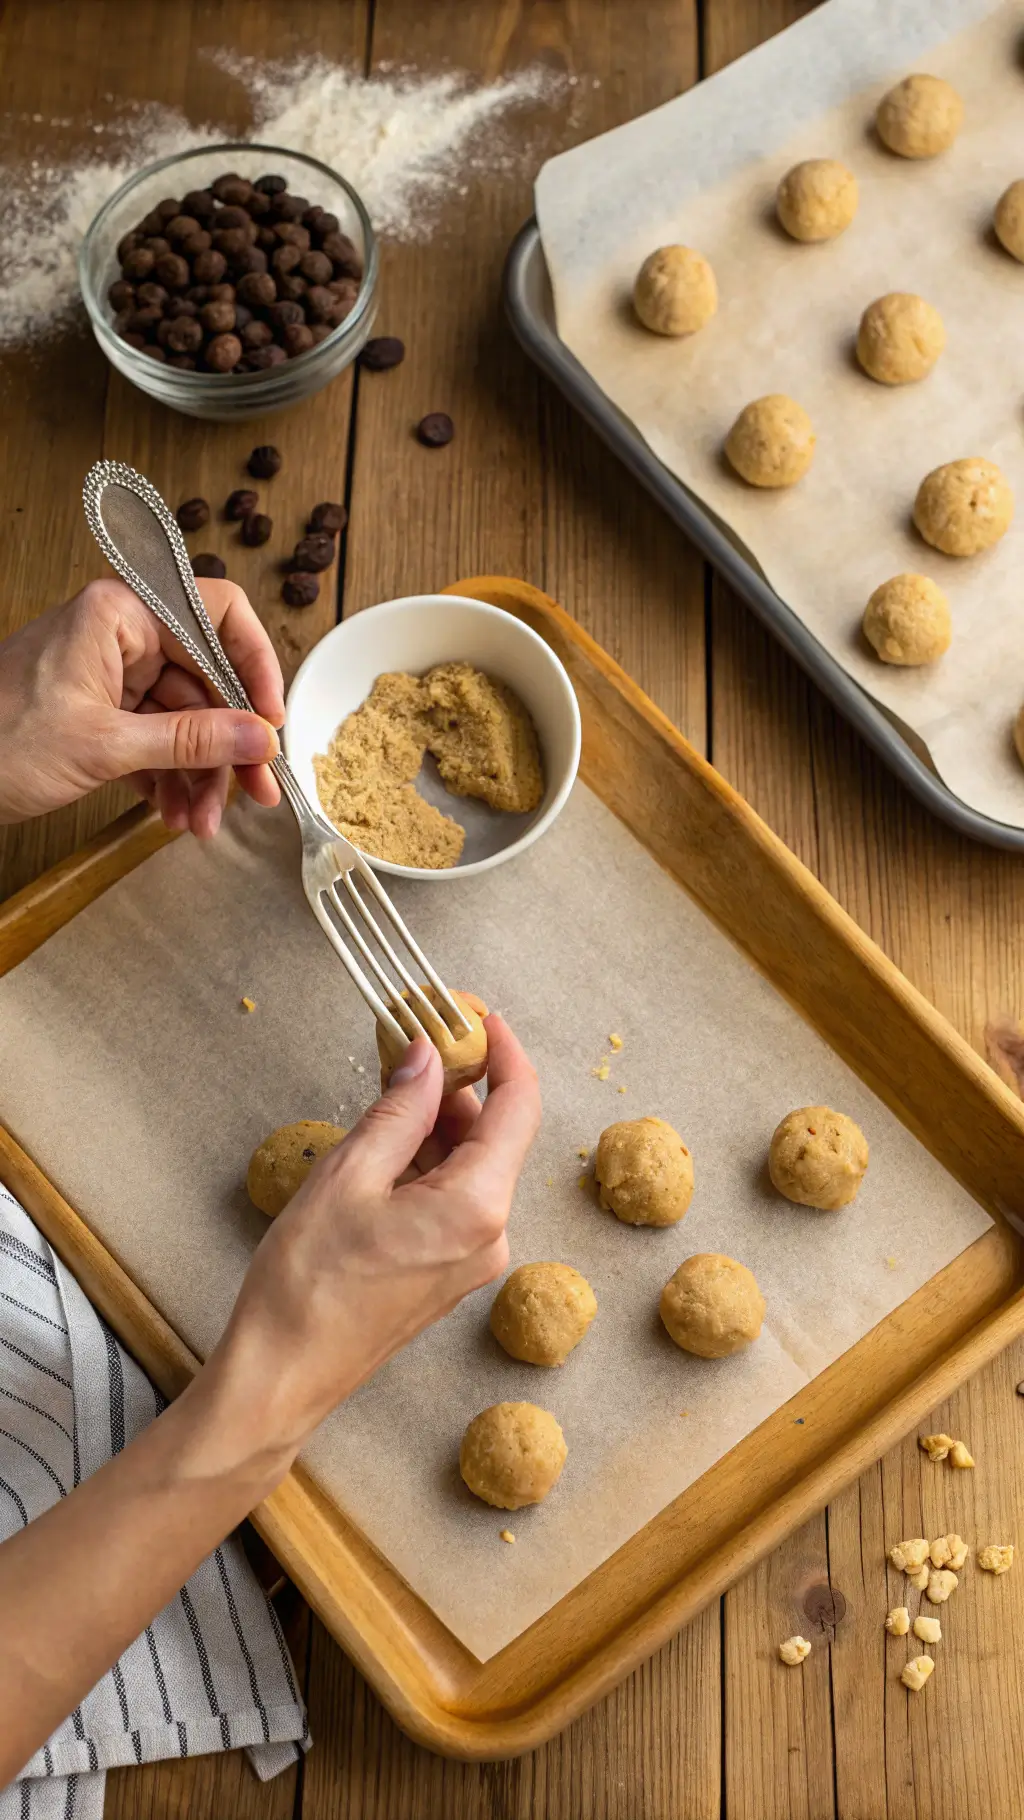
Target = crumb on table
(996,1557)
(916,1673)
(936,1446)
(898,1621)
(794,1650)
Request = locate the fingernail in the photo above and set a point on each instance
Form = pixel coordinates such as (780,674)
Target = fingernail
(413,1062)
(255,741)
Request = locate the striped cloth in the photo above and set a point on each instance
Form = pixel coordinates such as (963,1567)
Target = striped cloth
(212,1671)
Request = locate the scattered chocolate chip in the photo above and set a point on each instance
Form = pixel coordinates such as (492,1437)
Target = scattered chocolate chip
(192,514)
(240,503)
(435,429)
(328,517)
(382,352)
(256,528)
(207,564)
(314,552)
(300,590)
(264,462)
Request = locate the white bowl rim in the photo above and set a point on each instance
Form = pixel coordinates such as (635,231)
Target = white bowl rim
(561,796)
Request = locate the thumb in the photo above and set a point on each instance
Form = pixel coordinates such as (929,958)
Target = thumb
(190,739)
(388,1136)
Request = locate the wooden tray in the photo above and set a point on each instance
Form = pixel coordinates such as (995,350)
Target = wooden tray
(752,886)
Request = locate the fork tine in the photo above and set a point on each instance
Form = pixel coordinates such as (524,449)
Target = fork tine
(356,974)
(427,1010)
(366,873)
(403,1007)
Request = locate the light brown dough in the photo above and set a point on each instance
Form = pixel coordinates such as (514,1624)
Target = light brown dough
(818,1157)
(920,117)
(512,1454)
(771,444)
(464,1056)
(900,338)
(675,291)
(279,1166)
(1009,219)
(1018,734)
(644,1172)
(907,620)
(712,1306)
(541,1312)
(816,200)
(964,507)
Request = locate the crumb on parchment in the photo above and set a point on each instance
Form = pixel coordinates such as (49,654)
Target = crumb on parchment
(602,1072)
(507,1536)
(583,1180)
(248,1004)
(615,1041)
(620,1089)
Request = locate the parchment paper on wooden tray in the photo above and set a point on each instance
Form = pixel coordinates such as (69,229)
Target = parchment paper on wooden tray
(132,1075)
(703,170)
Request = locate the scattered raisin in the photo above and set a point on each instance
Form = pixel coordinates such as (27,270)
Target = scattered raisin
(192,514)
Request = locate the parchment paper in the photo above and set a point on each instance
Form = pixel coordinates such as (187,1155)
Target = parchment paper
(703,170)
(129,1072)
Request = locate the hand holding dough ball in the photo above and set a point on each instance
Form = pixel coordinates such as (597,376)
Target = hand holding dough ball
(964,507)
(816,200)
(818,1158)
(712,1306)
(675,291)
(1009,219)
(644,1172)
(900,338)
(464,1056)
(279,1166)
(512,1454)
(920,117)
(907,620)
(771,444)
(541,1312)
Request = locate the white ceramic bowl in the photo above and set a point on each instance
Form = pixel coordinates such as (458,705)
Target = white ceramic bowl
(414,635)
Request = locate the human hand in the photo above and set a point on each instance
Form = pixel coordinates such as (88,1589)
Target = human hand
(389,1231)
(98,689)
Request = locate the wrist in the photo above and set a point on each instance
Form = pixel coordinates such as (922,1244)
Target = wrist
(229,1430)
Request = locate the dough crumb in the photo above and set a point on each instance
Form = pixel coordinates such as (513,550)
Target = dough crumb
(582,1180)
(996,1557)
(248,1004)
(940,1584)
(898,1621)
(675,292)
(907,1557)
(583,1153)
(507,1536)
(920,117)
(817,199)
(936,1446)
(794,1650)
(958,1551)
(919,1578)
(891,1263)
(929,1630)
(916,1672)
(959,1456)
(615,1041)
(620,1089)
(602,1072)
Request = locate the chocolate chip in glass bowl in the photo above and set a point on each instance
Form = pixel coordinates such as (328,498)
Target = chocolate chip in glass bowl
(327,517)
(172,271)
(382,352)
(209,267)
(240,503)
(264,462)
(296,338)
(152,351)
(138,263)
(193,514)
(279,315)
(231,188)
(179,306)
(121,295)
(290,208)
(168,208)
(186,363)
(180,334)
(199,204)
(315,268)
(299,590)
(256,334)
(223,353)
(285,259)
(157,245)
(218,318)
(256,529)
(261,358)
(208,564)
(180,227)
(314,552)
(271,185)
(291,288)
(127,244)
(320,332)
(435,429)
(256,290)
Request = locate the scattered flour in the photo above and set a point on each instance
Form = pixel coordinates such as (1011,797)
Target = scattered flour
(400,139)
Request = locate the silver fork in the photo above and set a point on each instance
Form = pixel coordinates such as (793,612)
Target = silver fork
(141,540)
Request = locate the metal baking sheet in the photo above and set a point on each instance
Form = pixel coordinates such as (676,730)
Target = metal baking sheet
(530,308)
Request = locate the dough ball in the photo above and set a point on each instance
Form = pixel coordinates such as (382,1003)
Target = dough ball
(816,200)
(712,1306)
(1009,219)
(541,1312)
(921,116)
(908,621)
(512,1454)
(964,507)
(900,338)
(644,1172)
(1018,734)
(771,444)
(279,1166)
(675,291)
(464,1056)
(818,1158)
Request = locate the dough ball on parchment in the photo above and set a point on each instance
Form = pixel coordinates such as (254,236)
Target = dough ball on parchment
(1018,733)
(541,1312)
(920,117)
(818,1157)
(1009,219)
(512,1454)
(279,1166)
(964,507)
(464,1056)
(644,1172)
(712,1306)
(908,621)
(675,291)
(816,200)
(900,338)
(771,444)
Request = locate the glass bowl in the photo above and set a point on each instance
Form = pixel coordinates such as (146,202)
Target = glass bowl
(226,397)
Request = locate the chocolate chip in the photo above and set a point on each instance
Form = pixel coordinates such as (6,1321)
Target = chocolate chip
(315,268)
(257,290)
(271,186)
(192,514)
(200,204)
(182,335)
(223,353)
(180,227)
(319,302)
(240,503)
(138,263)
(309,1154)
(279,315)
(299,590)
(314,552)
(208,267)
(290,208)
(328,517)
(232,188)
(179,306)
(382,352)
(121,294)
(256,528)
(264,462)
(153,352)
(231,241)
(255,335)
(197,243)
(207,564)
(186,363)
(168,208)
(435,429)
(127,244)
(217,318)
(292,233)
(261,358)
(296,338)
(171,270)
(285,259)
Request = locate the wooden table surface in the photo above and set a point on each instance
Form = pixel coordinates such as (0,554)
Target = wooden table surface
(713,1725)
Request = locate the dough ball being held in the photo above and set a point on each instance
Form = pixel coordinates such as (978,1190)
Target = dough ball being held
(817,1158)
(279,1166)
(1009,219)
(907,621)
(964,507)
(541,1312)
(816,200)
(464,1056)
(512,1454)
(771,444)
(675,291)
(712,1306)
(900,338)
(644,1172)
(920,117)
